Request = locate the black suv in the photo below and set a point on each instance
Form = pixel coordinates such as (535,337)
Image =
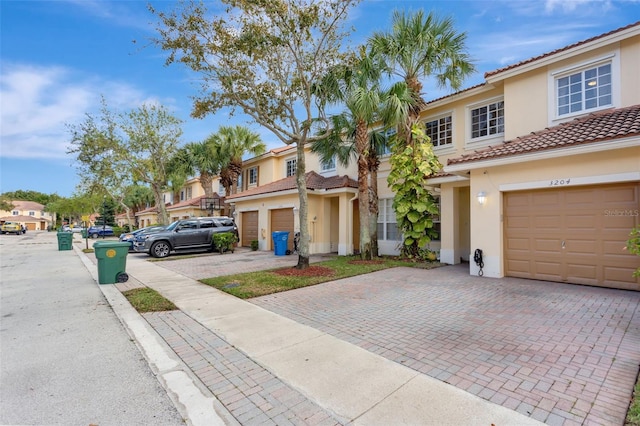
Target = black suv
(185,234)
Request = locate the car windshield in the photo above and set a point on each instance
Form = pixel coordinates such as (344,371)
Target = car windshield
(173,225)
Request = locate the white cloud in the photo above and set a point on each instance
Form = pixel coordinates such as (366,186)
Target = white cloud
(38,102)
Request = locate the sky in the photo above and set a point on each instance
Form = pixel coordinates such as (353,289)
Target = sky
(58,58)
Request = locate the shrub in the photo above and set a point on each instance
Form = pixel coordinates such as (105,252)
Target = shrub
(254,245)
(633,245)
(224,241)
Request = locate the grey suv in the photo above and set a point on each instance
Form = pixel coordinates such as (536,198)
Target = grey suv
(185,234)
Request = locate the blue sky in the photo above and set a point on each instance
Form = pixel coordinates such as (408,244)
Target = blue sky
(57,58)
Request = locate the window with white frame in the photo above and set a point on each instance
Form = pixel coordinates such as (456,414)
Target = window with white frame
(15,213)
(329,165)
(221,190)
(239,181)
(253,176)
(32,213)
(291,167)
(487,120)
(189,193)
(181,195)
(387,225)
(583,90)
(440,131)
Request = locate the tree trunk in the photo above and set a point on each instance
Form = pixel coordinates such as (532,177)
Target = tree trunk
(162,210)
(303,245)
(362,146)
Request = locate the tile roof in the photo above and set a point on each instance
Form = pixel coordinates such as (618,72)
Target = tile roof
(23,218)
(27,205)
(313,179)
(553,52)
(192,202)
(596,127)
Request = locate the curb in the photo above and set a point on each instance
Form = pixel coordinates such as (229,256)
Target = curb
(195,403)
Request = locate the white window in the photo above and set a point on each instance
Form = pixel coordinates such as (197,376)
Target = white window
(329,165)
(487,120)
(181,195)
(253,176)
(291,167)
(387,226)
(32,213)
(189,193)
(440,131)
(586,89)
(15,213)
(239,181)
(221,190)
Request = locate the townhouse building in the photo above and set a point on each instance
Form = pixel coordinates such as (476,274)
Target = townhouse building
(29,214)
(541,173)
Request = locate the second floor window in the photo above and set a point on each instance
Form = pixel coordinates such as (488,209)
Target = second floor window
(291,167)
(32,213)
(487,120)
(253,176)
(584,90)
(15,213)
(439,131)
(329,165)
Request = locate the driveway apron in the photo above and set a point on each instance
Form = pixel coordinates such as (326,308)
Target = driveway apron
(558,353)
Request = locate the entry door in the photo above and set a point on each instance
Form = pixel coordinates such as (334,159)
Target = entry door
(573,235)
(249,228)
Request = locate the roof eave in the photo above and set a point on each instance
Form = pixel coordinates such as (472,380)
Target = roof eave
(622,143)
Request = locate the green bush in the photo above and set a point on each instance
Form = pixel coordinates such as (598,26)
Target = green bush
(224,241)
(254,245)
(633,245)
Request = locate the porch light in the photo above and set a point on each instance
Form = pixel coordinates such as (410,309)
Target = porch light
(482,197)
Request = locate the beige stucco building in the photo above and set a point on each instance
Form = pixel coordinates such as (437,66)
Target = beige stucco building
(29,214)
(541,173)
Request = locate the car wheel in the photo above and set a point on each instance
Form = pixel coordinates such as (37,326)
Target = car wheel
(94,236)
(160,249)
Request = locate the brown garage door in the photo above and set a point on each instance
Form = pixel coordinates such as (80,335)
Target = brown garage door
(249,228)
(282,220)
(573,235)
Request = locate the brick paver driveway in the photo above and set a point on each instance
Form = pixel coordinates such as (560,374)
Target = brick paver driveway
(562,354)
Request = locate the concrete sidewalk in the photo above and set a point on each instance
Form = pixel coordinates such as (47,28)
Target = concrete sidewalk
(284,372)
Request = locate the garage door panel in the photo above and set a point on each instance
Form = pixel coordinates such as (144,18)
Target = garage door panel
(540,199)
(547,222)
(282,220)
(593,222)
(249,227)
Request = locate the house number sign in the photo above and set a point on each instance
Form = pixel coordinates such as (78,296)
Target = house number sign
(559,182)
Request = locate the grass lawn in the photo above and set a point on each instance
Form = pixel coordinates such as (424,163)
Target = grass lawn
(148,300)
(261,283)
(633,415)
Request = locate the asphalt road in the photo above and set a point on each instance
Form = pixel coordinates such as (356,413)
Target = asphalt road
(65,358)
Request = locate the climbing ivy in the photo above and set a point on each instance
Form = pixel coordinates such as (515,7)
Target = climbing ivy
(412,162)
(633,245)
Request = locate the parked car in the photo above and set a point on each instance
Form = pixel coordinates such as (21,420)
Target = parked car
(129,237)
(69,228)
(185,234)
(100,231)
(12,228)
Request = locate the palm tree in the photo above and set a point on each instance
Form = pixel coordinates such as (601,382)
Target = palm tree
(418,47)
(202,158)
(357,85)
(232,144)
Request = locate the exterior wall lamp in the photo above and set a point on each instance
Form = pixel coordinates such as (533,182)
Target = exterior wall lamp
(482,197)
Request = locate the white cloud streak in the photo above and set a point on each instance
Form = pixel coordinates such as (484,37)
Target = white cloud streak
(38,102)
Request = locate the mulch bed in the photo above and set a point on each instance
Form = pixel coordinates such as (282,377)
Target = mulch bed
(311,271)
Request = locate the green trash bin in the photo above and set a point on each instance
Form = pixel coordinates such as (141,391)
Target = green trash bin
(112,261)
(64,240)
(84,233)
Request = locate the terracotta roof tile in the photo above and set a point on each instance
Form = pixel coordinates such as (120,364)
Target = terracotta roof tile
(192,202)
(596,127)
(553,52)
(313,179)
